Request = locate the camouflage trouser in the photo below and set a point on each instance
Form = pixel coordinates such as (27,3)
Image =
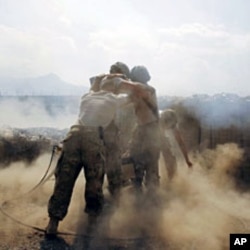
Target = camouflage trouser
(82,147)
(113,159)
(145,152)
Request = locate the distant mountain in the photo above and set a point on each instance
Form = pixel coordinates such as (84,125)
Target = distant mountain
(49,84)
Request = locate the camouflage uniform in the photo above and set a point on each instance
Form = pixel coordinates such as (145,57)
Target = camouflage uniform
(145,152)
(83,147)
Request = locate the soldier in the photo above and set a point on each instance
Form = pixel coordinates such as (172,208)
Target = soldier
(84,146)
(144,148)
(112,132)
(168,122)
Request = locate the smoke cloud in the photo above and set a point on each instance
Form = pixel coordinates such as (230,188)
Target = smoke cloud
(44,111)
(199,207)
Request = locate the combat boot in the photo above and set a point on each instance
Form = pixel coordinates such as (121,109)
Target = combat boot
(51,229)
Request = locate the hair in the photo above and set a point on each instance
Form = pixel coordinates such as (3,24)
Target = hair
(120,67)
(140,74)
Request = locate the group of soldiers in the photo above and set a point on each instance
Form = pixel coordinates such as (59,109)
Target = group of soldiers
(93,142)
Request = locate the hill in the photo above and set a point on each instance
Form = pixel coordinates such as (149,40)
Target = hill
(49,84)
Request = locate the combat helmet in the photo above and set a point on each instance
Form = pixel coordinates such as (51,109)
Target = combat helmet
(140,74)
(120,67)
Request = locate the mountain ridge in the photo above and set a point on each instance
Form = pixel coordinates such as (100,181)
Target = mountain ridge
(49,84)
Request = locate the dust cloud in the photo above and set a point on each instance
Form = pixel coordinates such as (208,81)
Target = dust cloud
(197,208)
(22,207)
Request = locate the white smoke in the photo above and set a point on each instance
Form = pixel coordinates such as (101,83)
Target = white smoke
(37,112)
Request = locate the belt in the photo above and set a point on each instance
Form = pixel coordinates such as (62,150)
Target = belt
(99,129)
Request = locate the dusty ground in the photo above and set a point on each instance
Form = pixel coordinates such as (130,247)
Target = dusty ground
(199,208)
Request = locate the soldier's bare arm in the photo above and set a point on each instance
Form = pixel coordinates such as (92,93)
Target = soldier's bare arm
(182,146)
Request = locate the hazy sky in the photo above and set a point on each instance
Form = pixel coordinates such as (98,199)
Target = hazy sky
(189,46)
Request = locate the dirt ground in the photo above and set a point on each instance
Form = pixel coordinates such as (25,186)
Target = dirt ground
(198,209)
